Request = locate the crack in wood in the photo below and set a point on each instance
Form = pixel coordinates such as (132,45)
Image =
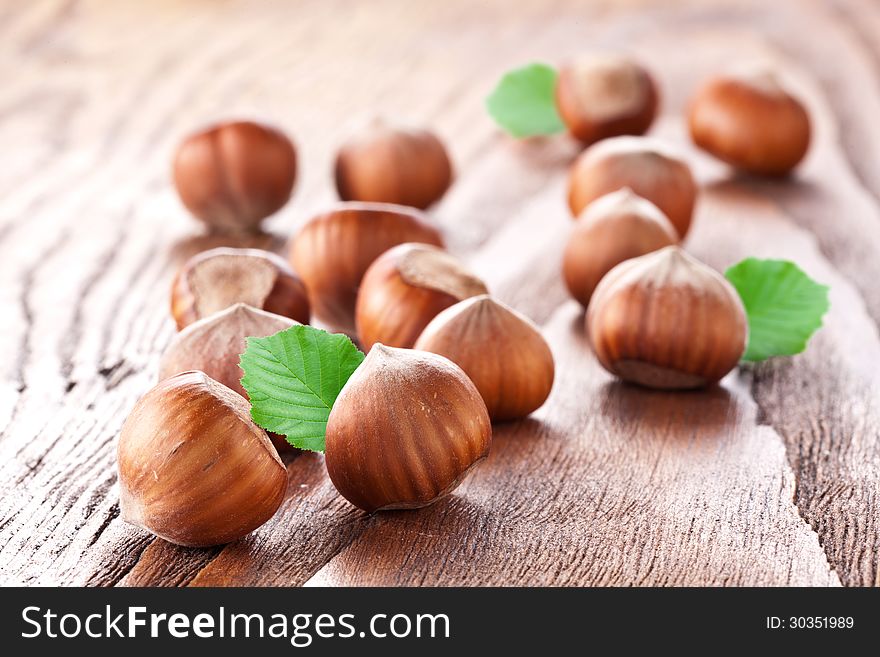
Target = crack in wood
(28,277)
(112,515)
(101,268)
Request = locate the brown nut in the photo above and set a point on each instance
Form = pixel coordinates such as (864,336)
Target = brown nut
(193,467)
(405,430)
(233,175)
(613,228)
(666,320)
(644,165)
(393,164)
(214,346)
(751,122)
(500,350)
(600,96)
(334,249)
(405,288)
(213,280)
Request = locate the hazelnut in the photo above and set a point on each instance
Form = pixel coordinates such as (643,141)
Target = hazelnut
(214,344)
(500,350)
(613,228)
(644,165)
(334,249)
(393,164)
(233,175)
(405,430)
(751,122)
(601,96)
(193,467)
(665,320)
(213,280)
(405,288)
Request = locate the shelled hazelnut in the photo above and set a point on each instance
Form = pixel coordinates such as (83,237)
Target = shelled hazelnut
(213,280)
(405,288)
(644,165)
(233,175)
(334,249)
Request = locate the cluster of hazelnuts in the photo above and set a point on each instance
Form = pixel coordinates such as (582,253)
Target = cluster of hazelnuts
(445,359)
(655,315)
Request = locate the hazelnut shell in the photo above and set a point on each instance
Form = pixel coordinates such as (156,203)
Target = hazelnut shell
(750,122)
(613,228)
(216,279)
(391,164)
(405,288)
(666,320)
(334,249)
(600,96)
(405,430)
(500,350)
(193,467)
(644,165)
(233,175)
(214,346)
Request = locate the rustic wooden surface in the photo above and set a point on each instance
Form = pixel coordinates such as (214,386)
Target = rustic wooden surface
(773,478)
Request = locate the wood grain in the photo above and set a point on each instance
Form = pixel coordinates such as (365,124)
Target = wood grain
(772,478)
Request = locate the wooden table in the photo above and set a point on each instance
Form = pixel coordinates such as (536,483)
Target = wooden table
(773,478)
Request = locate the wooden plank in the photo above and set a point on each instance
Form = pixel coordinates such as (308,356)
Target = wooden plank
(611,485)
(821,404)
(771,479)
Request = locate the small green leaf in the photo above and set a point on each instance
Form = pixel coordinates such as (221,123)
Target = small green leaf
(293,378)
(783,304)
(524,102)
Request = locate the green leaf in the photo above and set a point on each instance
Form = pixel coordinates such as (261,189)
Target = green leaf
(783,304)
(293,378)
(524,102)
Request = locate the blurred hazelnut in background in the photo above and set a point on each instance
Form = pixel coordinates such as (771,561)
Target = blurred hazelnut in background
(233,175)
(387,163)
(605,95)
(751,121)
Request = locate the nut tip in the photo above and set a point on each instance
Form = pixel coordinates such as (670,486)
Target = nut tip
(380,350)
(483,300)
